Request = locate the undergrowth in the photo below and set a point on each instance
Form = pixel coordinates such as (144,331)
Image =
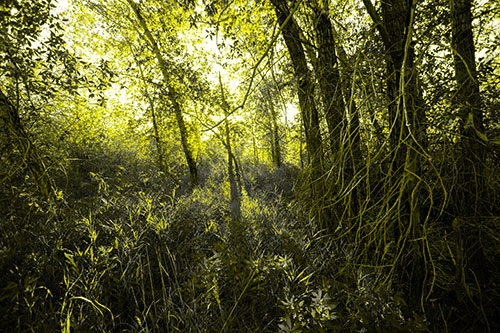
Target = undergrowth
(126,248)
(137,253)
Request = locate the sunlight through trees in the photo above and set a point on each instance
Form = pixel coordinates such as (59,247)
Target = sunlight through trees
(249,165)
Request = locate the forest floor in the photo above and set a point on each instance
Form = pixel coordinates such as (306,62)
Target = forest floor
(126,249)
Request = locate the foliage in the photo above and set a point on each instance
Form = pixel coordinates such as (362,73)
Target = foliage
(102,230)
(136,258)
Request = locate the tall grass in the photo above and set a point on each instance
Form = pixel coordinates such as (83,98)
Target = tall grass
(139,258)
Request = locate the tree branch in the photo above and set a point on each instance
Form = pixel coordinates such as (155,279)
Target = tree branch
(378,22)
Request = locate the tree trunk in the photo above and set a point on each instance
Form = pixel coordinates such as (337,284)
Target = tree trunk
(343,127)
(275,138)
(329,78)
(235,201)
(468,195)
(159,147)
(407,136)
(346,80)
(236,228)
(468,99)
(291,34)
(172,95)
(254,146)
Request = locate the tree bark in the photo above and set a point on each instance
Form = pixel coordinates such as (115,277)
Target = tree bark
(406,115)
(468,195)
(407,135)
(329,78)
(157,139)
(236,228)
(343,124)
(275,137)
(172,95)
(291,34)
(468,101)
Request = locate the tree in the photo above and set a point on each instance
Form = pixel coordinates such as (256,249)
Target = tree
(291,33)
(32,70)
(171,93)
(276,147)
(235,191)
(468,101)
(327,74)
(156,134)
(343,123)
(268,104)
(407,134)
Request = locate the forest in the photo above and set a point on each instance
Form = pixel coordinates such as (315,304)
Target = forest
(250,166)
